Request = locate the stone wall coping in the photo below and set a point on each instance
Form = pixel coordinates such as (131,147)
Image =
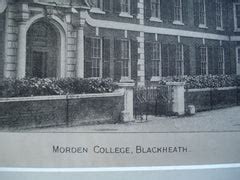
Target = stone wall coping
(175,83)
(119,92)
(211,89)
(126,84)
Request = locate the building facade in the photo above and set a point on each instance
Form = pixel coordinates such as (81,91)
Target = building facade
(127,40)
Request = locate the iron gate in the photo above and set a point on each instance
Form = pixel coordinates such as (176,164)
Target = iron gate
(152,100)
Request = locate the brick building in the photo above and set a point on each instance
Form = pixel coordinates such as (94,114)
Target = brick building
(140,40)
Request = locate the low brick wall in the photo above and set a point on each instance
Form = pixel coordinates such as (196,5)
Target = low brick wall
(45,111)
(207,99)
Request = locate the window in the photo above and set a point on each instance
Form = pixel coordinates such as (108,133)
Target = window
(155,8)
(204,60)
(179,60)
(202,13)
(219,13)
(221,61)
(237,16)
(238,60)
(178,10)
(96,57)
(98,7)
(125,58)
(125,6)
(98,4)
(156,60)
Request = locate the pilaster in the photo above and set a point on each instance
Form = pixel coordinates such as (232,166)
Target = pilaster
(21,18)
(140,39)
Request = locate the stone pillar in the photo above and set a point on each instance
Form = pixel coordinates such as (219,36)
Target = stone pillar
(21,51)
(22,17)
(177,94)
(128,101)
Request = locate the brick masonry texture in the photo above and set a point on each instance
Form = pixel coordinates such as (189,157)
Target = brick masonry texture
(204,100)
(45,113)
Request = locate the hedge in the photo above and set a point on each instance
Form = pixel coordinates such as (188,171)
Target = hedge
(49,86)
(207,81)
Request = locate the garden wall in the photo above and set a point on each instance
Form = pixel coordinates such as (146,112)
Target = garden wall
(208,98)
(45,111)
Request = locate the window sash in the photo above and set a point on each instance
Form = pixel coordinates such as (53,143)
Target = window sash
(95,68)
(179,60)
(98,4)
(219,13)
(96,57)
(125,6)
(155,7)
(237,16)
(202,12)
(155,68)
(204,60)
(178,10)
(156,59)
(125,58)
(221,61)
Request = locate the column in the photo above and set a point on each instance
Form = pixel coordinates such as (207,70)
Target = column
(80,47)
(21,18)
(80,53)
(21,51)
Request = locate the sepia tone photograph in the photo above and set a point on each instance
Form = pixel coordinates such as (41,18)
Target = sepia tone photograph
(151,69)
(103,65)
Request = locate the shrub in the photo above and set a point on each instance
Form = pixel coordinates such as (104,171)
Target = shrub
(208,81)
(80,86)
(39,87)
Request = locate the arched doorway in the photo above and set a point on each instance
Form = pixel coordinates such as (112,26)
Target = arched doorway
(43,44)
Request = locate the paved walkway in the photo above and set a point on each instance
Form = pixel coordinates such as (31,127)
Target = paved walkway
(211,121)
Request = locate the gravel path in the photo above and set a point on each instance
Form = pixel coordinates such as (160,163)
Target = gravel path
(217,120)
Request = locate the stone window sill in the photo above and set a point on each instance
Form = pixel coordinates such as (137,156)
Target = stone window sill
(155,79)
(97,11)
(203,26)
(219,29)
(178,23)
(126,79)
(155,19)
(125,14)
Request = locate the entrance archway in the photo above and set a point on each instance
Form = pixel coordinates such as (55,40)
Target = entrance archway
(43,46)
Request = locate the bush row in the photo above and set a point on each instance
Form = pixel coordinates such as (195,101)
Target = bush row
(40,87)
(208,81)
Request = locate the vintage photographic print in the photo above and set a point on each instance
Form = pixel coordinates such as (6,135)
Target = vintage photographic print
(119,82)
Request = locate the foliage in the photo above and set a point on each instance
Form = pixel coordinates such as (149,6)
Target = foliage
(81,86)
(207,81)
(49,86)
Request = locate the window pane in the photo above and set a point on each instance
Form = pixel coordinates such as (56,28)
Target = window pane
(177,10)
(179,60)
(125,6)
(97,3)
(203,58)
(95,57)
(125,58)
(221,61)
(156,59)
(155,7)
(202,12)
(219,13)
